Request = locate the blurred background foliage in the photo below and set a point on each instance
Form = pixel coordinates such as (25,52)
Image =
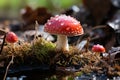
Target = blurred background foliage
(11,8)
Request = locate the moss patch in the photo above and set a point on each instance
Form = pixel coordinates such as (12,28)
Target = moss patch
(39,49)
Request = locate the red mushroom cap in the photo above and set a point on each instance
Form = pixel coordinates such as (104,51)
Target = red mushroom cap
(11,37)
(98,48)
(63,25)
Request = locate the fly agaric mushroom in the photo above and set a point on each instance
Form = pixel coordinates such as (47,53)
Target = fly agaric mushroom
(98,48)
(63,26)
(11,37)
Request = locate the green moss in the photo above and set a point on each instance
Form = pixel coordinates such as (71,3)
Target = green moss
(18,50)
(42,51)
(42,48)
(78,73)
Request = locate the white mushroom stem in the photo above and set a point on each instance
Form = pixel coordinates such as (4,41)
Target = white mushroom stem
(62,43)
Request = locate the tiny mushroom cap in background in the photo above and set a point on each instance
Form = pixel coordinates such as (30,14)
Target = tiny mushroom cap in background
(98,48)
(11,37)
(63,26)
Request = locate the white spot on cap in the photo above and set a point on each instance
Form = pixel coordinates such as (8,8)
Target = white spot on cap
(78,31)
(56,19)
(72,32)
(62,24)
(77,28)
(49,23)
(65,19)
(67,28)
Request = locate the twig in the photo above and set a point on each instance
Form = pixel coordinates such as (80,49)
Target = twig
(2,44)
(35,35)
(11,62)
(87,44)
(36,28)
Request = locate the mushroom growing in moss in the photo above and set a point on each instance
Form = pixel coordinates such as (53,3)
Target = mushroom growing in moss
(98,48)
(63,26)
(11,37)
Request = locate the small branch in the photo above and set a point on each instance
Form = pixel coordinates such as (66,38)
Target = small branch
(87,44)
(2,44)
(35,35)
(11,62)
(36,28)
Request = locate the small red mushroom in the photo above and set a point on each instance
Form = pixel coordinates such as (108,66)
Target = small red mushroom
(11,37)
(98,48)
(63,26)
